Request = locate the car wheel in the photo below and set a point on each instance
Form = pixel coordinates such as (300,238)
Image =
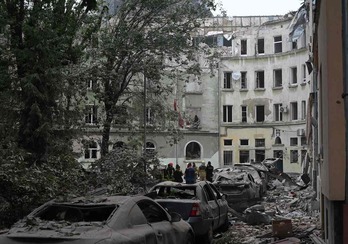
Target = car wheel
(190,239)
(207,238)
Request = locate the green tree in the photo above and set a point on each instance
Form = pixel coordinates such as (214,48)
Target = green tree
(146,38)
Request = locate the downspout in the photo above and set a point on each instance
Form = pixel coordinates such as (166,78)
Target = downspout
(345,80)
(219,111)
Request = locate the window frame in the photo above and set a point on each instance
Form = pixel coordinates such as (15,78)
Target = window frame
(244,110)
(277,114)
(259,80)
(278,44)
(227,111)
(228,154)
(244,47)
(263,46)
(277,78)
(243,80)
(228,80)
(294,111)
(293,74)
(257,116)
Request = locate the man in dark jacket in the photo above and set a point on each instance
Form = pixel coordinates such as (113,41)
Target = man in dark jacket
(190,174)
(209,170)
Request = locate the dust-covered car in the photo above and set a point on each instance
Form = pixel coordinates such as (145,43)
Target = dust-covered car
(239,186)
(200,204)
(101,220)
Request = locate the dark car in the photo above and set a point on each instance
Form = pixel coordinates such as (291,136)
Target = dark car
(239,186)
(200,204)
(102,220)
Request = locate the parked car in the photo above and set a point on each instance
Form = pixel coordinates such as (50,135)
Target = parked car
(257,170)
(102,220)
(239,186)
(200,204)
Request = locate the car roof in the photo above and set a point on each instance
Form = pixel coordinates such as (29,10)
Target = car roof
(178,184)
(98,200)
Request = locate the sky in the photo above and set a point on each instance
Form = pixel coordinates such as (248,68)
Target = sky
(259,7)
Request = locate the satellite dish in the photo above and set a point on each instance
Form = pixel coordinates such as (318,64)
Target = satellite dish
(236,75)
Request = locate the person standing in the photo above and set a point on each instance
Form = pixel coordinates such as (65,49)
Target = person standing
(209,171)
(170,171)
(178,174)
(190,174)
(201,172)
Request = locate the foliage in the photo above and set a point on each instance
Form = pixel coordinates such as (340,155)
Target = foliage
(24,188)
(122,171)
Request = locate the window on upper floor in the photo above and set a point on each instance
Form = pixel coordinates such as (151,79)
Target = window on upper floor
(150,116)
(244,114)
(277,113)
(278,46)
(260,142)
(243,47)
(294,111)
(91,114)
(243,80)
(150,147)
(227,80)
(260,113)
(277,78)
(303,140)
(244,142)
(293,156)
(293,141)
(294,45)
(304,73)
(228,142)
(293,75)
(260,79)
(227,113)
(91,150)
(261,46)
(303,110)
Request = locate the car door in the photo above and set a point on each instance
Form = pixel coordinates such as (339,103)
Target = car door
(222,203)
(158,219)
(213,205)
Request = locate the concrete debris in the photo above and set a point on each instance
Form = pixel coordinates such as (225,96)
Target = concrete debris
(288,213)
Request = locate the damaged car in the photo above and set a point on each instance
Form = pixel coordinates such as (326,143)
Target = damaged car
(200,204)
(102,220)
(239,186)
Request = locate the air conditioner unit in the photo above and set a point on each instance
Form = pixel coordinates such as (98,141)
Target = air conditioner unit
(283,109)
(301,132)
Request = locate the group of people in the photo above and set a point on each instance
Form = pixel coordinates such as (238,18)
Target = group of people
(191,172)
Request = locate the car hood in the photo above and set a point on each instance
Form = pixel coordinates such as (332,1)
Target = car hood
(36,228)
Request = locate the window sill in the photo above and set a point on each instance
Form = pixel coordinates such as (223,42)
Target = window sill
(227,89)
(277,88)
(303,83)
(244,90)
(293,85)
(260,89)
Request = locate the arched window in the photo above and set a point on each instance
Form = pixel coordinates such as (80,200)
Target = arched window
(119,144)
(193,151)
(91,150)
(278,141)
(150,147)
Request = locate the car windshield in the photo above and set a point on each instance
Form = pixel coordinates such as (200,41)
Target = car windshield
(77,213)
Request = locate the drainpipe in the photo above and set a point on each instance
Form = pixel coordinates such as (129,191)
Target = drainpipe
(219,111)
(345,78)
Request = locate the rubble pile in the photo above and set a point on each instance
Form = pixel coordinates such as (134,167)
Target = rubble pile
(288,213)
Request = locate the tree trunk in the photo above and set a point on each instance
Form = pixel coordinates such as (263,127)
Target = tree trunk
(106,131)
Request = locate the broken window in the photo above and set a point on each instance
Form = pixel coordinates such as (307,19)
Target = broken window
(293,75)
(227,80)
(303,110)
(259,155)
(244,156)
(278,46)
(227,113)
(244,142)
(260,79)
(77,213)
(193,151)
(227,142)
(243,48)
(260,142)
(294,45)
(278,115)
(278,141)
(91,114)
(260,46)
(228,157)
(260,113)
(244,113)
(91,150)
(293,156)
(294,111)
(293,141)
(243,80)
(278,77)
